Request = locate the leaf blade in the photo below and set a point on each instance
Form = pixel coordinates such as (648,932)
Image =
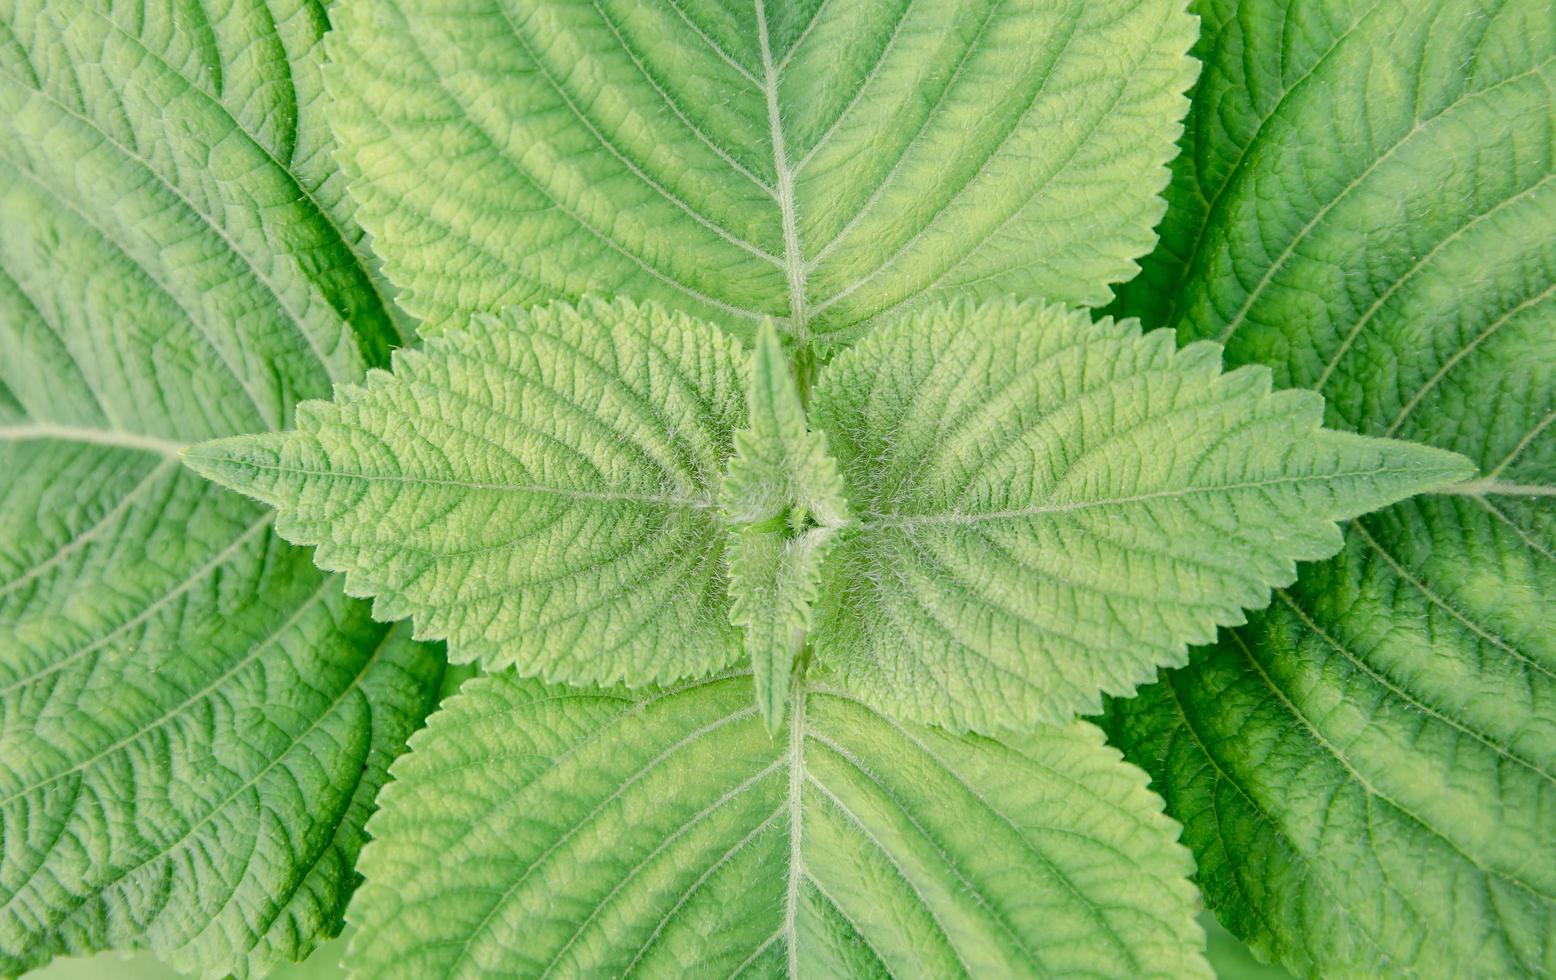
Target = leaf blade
(708,161)
(783,495)
(1407,680)
(192,724)
(774,582)
(707,887)
(1049,508)
(780,463)
(538,489)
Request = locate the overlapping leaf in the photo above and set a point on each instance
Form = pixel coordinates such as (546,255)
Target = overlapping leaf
(193,720)
(539,489)
(1047,508)
(1042,508)
(784,495)
(826,163)
(781,471)
(1367,772)
(775,580)
(539,831)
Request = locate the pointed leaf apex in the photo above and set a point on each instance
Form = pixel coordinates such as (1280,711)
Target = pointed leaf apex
(250,464)
(771,676)
(1116,519)
(768,342)
(776,408)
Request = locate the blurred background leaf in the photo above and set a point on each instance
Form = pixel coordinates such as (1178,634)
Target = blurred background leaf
(1230,958)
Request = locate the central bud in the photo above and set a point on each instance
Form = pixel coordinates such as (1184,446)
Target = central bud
(783,497)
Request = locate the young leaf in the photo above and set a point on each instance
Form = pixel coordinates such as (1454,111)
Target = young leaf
(539,831)
(193,721)
(823,162)
(538,488)
(785,495)
(1047,508)
(781,469)
(773,580)
(1368,771)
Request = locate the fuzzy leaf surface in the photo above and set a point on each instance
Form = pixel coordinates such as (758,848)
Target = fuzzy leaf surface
(193,721)
(542,831)
(781,468)
(825,163)
(775,579)
(539,489)
(1367,772)
(1047,508)
(784,494)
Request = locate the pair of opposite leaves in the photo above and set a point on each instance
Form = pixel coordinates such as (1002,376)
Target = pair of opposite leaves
(1021,506)
(1021,509)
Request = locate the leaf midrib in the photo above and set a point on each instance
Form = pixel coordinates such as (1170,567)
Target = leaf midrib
(874,520)
(793,261)
(700,502)
(111,438)
(610,146)
(796,806)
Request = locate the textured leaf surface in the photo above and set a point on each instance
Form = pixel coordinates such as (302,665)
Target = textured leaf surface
(781,469)
(820,162)
(784,494)
(774,582)
(1047,508)
(541,831)
(193,722)
(539,489)
(1368,771)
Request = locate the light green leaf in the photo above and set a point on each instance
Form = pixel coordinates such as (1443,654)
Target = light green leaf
(826,163)
(193,721)
(147,178)
(1368,771)
(1047,508)
(781,469)
(539,489)
(543,831)
(784,494)
(774,578)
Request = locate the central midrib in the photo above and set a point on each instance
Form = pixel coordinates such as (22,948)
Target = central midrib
(791,904)
(793,261)
(799,329)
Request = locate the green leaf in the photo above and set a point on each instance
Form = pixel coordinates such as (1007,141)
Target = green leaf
(537,831)
(784,494)
(539,489)
(781,469)
(1047,508)
(826,163)
(193,721)
(774,580)
(1368,771)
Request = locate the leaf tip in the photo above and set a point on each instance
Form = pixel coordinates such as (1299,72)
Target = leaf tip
(770,685)
(773,720)
(768,361)
(243,463)
(1427,469)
